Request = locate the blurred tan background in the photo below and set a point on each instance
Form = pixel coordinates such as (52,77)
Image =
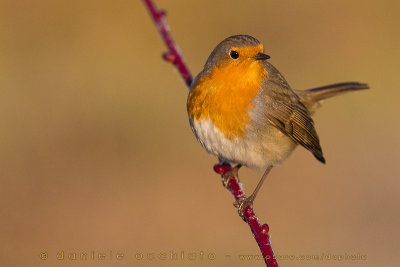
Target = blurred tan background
(96,153)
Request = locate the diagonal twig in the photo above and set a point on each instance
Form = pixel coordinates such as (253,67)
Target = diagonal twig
(173,55)
(260,232)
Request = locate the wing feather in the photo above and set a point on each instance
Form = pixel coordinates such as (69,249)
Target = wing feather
(295,121)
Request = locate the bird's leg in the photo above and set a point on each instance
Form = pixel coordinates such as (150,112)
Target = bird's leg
(242,203)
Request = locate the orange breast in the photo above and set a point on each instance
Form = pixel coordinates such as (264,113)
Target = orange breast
(225,96)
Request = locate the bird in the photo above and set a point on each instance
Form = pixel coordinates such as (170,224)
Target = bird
(243,111)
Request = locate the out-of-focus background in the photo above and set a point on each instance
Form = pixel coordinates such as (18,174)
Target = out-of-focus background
(97,156)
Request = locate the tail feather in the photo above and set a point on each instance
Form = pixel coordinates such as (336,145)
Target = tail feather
(312,97)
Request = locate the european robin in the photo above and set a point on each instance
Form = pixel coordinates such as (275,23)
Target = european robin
(242,110)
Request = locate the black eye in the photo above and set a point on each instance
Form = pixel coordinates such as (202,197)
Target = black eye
(234,54)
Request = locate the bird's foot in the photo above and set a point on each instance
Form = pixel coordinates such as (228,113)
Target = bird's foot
(241,204)
(232,174)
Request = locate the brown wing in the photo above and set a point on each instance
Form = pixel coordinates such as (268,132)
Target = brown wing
(294,120)
(285,110)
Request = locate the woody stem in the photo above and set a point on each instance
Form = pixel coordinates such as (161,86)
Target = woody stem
(173,55)
(260,232)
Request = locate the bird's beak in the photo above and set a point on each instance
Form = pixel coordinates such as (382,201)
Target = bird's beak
(261,56)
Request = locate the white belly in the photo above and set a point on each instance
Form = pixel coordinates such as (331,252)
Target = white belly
(253,151)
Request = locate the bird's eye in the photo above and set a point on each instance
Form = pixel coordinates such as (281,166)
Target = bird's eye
(234,54)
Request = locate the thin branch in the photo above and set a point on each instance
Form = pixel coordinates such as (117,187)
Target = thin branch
(173,55)
(260,232)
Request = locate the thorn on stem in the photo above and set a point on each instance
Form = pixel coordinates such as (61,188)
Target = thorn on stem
(169,57)
(265,229)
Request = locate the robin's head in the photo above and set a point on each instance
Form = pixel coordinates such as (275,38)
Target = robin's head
(236,50)
(231,78)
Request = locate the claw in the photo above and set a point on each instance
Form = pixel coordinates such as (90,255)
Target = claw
(225,179)
(241,204)
(227,172)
